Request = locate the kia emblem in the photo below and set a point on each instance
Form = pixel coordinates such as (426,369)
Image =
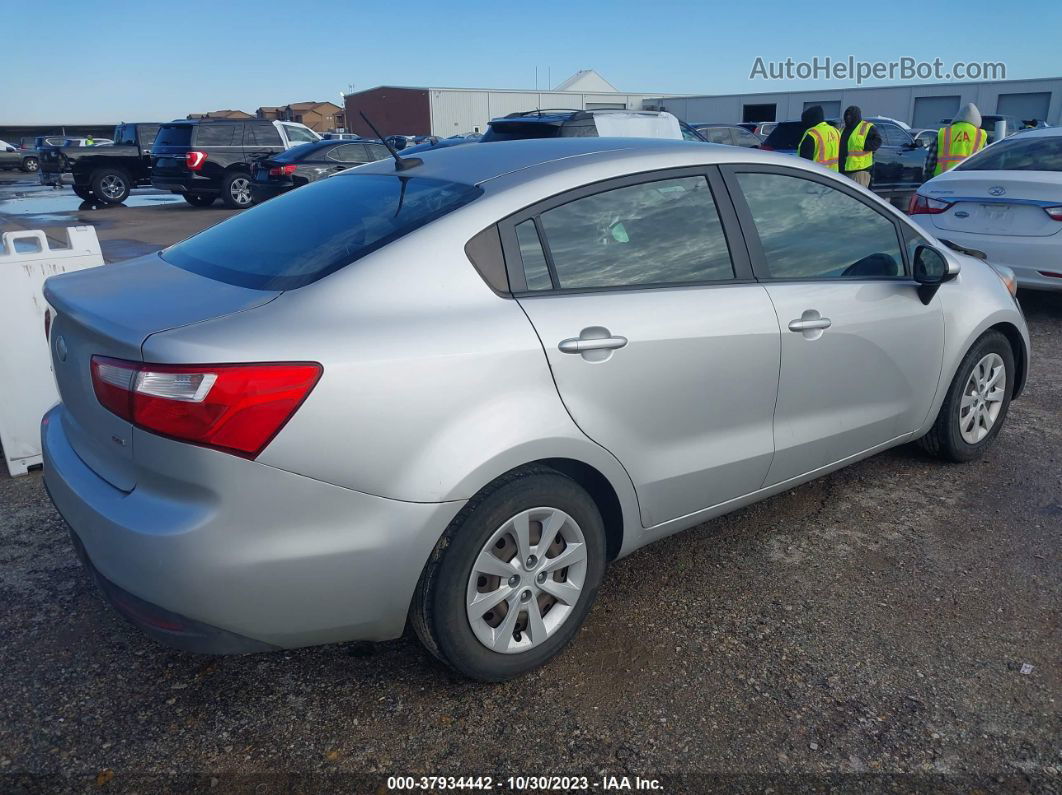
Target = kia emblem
(997,190)
(60,349)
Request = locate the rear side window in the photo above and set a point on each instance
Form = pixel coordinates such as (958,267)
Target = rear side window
(299,135)
(348,153)
(654,233)
(717,135)
(262,135)
(1018,154)
(147,134)
(174,135)
(812,231)
(218,135)
(304,235)
(375,152)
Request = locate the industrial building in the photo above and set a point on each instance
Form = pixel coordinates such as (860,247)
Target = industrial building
(918,105)
(403,110)
(449,111)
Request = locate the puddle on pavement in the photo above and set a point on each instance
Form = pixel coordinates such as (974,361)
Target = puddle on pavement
(55,206)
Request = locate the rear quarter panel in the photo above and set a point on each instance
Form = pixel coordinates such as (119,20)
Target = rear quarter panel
(433,384)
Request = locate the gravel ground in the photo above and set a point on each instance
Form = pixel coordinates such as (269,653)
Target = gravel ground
(865,631)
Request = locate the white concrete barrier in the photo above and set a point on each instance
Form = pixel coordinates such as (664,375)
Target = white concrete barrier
(27,386)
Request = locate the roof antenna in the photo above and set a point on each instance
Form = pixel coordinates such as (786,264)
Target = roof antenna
(401,163)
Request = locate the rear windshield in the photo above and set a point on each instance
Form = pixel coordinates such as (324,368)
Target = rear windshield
(520,130)
(304,235)
(785,136)
(1018,154)
(174,135)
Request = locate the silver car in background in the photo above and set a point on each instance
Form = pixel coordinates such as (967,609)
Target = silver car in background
(1005,202)
(452,392)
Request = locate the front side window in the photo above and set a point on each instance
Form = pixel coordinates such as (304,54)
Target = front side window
(304,235)
(262,135)
(810,230)
(300,134)
(664,232)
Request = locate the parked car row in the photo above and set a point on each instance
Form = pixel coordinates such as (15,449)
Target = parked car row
(12,157)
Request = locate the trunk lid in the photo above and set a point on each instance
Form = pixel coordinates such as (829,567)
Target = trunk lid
(996,202)
(111,311)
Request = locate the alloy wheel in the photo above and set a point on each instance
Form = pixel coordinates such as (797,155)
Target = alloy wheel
(526,580)
(112,186)
(982,398)
(240,190)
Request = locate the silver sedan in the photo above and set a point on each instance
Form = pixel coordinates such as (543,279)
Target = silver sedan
(449,391)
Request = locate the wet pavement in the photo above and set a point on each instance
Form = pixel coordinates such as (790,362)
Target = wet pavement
(893,626)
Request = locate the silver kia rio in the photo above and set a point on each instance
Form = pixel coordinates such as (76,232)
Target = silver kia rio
(449,391)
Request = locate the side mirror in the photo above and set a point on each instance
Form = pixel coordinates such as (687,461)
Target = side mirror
(930,267)
(11,149)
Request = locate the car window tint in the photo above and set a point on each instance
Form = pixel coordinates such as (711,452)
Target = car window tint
(813,231)
(262,135)
(174,135)
(304,235)
(654,233)
(893,135)
(217,135)
(348,153)
(536,272)
(375,152)
(688,134)
(1018,154)
(147,134)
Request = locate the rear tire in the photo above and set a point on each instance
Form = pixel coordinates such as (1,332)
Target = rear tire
(30,164)
(236,190)
(199,199)
(446,613)
(976,405)
(111,186)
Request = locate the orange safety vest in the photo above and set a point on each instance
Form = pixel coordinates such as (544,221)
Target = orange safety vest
(955,143)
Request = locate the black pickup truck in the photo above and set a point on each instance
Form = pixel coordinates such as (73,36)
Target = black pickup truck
(103,173)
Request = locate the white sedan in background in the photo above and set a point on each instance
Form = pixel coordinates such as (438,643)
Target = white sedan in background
(1005,201)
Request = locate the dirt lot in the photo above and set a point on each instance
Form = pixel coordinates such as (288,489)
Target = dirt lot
(866,631)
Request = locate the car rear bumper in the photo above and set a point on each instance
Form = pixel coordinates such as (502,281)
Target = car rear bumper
(1028,256)
(186,184)
(247,558)
(260,191)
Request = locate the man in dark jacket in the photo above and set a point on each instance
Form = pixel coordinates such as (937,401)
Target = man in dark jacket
(859,141)
(819,141)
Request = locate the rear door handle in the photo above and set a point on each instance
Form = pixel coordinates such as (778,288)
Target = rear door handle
(810,325)
(577,345)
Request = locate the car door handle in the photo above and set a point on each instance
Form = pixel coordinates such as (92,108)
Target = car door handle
(577,345)
(810,324)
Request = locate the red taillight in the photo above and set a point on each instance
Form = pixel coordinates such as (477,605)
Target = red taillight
(237,408)
(282,171)
(194,160)
(923,205)
(767,148)
(1054,213)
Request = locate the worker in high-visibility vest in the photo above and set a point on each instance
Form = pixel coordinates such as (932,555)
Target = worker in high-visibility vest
(956,142)
(859,141)
(821,141)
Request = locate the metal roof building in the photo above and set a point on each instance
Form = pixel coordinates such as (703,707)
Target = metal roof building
(917,105)
(404,110)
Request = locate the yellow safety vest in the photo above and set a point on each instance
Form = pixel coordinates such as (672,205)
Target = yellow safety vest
(859,159)
(827,144)
(955,143)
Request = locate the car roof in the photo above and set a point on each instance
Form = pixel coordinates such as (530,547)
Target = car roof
(479,162)
(1041,132)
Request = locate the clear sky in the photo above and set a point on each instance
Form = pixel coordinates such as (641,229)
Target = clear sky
(118,60)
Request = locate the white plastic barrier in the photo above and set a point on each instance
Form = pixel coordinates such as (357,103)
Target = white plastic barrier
(27,388)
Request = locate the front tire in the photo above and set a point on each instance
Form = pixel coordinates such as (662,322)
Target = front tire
(977,402)
(30,164)
(111,186)
(236,190)
(513,577)
(199,199)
